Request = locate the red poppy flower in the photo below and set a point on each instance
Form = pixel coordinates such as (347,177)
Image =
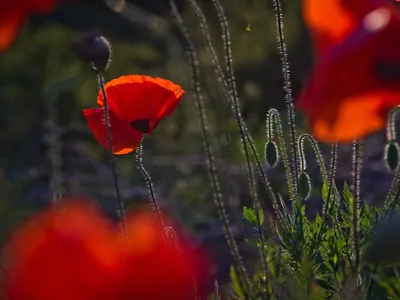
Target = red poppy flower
(14,13)
(72,251)
(124,138)
(157,269)
(355,80)
(64,253)
(137,104)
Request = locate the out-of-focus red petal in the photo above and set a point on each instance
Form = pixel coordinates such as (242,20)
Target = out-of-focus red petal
(330,22)
(14,13)
(158,270)
(64,253)
(10,25)
(139,97)
(346,96)
(125,139)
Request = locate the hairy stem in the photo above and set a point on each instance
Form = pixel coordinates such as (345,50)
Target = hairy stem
(193,61)
(120,203)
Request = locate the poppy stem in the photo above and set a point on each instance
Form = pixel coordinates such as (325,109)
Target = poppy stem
(212,171)
(357,155)
(288,90)
(120,203)
(149,182)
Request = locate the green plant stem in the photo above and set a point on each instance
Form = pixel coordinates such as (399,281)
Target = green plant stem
(193,62)
(149,183)
(120,203)
(287,88)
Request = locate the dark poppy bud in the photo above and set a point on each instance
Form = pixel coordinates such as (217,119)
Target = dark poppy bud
(94,48)
(304,185)
(392,155)
(271,154)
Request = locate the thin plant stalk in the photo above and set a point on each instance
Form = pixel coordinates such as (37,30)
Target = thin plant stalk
(120,203)
(357,152)
(226,90)
(193,62)
(149,183)
(287,87)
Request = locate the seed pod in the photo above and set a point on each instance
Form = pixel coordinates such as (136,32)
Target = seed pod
(392,155)
(304,185)
(271,154)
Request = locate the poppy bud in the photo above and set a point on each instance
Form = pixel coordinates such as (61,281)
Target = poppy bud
(392,155)
(271,154)
(304,185)
(94,48)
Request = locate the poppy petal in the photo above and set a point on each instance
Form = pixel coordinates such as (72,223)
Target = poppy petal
(319,17)
(345,15)
(10,25)
(125,139)
(351,88)
(352,117)
(151,259)
(138,97)
(57,253)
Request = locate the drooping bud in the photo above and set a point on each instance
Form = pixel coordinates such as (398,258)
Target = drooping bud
(94,48)
(271,154)
(304,185)
(392,155)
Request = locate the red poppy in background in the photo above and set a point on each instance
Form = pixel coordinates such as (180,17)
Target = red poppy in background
(356,79)
(72,251)
(157,269)
(137,104)
(64,253)
(13,14)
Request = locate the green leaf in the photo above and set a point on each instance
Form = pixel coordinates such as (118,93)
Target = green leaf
(248,213)
(348,196)
(236,283)
(261,216)
(325,190)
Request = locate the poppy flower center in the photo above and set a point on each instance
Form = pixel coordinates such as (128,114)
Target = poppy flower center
(142,125)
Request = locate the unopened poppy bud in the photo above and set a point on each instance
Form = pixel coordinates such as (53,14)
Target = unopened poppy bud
(304,185)
(392,155)
(94,48)
(271,154)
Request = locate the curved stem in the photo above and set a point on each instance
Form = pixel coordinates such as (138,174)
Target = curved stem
(287,88)
(274,118)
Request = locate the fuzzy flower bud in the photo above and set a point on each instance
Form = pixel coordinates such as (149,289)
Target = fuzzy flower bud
(92,47)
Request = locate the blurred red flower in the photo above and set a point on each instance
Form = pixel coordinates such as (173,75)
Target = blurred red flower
(356,79)
(157,269)
(72,251)
(137,104)
(13,14)
(64,253)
